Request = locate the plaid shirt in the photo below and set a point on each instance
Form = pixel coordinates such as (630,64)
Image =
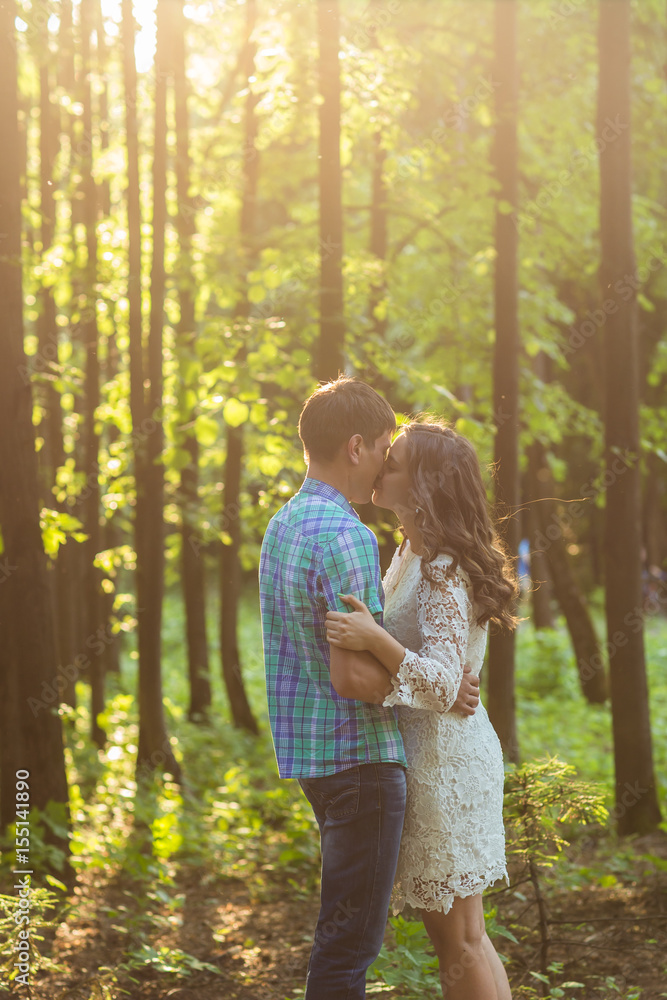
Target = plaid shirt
(315,548)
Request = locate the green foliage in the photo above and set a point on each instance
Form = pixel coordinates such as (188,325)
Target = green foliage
(553,717)
(541,797)
(45,913)
(57,526)
(553,987)
(171,961)
(408,965)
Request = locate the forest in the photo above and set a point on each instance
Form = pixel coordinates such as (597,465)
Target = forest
(208,207)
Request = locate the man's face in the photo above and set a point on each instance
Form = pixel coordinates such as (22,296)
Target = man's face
(371,460)
(392,488)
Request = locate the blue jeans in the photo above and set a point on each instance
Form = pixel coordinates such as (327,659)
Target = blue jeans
(360,815)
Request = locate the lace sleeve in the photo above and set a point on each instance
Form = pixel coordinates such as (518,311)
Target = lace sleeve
(431,678)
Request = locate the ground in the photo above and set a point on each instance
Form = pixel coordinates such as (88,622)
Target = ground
(613,925)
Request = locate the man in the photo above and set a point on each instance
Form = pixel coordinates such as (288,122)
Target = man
(347,755)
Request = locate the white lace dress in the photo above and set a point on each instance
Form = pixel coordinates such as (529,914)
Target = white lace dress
(453,839)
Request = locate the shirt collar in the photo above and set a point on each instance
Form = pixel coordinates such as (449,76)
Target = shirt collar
(319,489)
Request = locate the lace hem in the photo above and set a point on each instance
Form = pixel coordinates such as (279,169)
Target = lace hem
(430,895)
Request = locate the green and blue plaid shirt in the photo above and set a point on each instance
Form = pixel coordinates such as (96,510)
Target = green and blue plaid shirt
(314,549)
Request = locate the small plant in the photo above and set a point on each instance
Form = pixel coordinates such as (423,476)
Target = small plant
(172,961)
(564,990)
(45,914)
(409,966)
(541,797)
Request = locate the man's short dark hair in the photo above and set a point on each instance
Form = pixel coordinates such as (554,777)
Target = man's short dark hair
(338,410)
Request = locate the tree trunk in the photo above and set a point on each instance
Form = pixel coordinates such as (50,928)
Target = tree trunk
(112,532)
(91,505)
(193,565)
(52,454)
(230,562)
(194,589)
(137,400)
(638,809)
(32,735)
(378,241)
(506,357)
(535,477)
(50,427)
(104,194)
(655,515)
(154,745)
(330,350)
(136,347)
(540,595)
(550,542)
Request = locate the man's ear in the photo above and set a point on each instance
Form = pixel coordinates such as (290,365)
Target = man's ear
(354,448)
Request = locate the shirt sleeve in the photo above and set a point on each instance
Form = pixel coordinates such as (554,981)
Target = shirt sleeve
(431,677)
(351,565)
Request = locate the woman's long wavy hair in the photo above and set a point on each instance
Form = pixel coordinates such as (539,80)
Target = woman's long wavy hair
(454,516)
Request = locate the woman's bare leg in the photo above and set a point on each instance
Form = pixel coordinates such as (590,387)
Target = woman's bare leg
(459,941)
(497,970)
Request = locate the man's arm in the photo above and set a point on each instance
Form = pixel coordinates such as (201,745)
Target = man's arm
(357,674)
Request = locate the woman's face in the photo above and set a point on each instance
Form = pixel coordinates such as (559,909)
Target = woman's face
(392,486)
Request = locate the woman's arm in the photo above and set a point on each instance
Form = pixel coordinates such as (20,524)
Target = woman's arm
(358,630)
(431,678)
(437,677)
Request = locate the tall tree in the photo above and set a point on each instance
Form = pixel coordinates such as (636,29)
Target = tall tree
(136,352)
(631,725)
(506,352)
(192,558)
(104,193)
(378,236)
(551,543)
(32,741)
(330,349)
(154,745)
(533,481)
(230,561)
(52,455)
(91,501)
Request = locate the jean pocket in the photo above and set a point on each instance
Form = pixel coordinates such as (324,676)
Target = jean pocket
(336,794)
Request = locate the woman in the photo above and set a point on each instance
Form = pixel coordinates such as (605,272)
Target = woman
(447,581)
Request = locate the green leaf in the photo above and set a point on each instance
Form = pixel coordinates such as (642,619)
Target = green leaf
(235,413)
(207,430)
